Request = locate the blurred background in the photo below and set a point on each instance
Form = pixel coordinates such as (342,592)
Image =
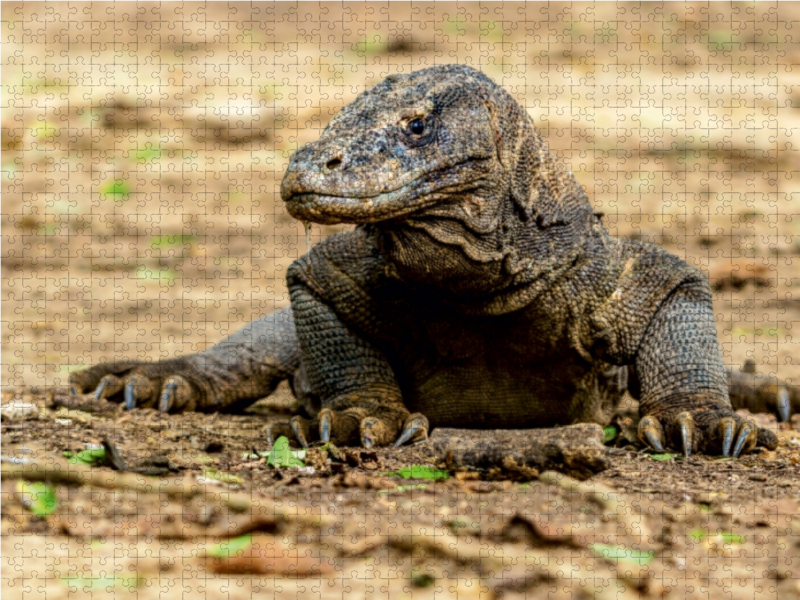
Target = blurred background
(143,146)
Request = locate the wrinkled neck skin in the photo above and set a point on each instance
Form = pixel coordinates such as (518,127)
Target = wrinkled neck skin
(478,252)
(457,245)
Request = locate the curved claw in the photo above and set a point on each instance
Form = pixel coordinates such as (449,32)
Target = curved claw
(325,419)
(416,426)
(177,395)
(367,436)
(130,396)
(167,400)
(686,427)
(108,386)
(651,433)
(746,440)
(783,405)
(300,429)
(138,391)
(727,428)
(375,432)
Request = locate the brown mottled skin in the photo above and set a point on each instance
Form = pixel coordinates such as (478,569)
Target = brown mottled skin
(478,290)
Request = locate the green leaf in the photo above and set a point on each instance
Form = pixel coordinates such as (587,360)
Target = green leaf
(38,497)
(665,456)
(421,580)
(91,457)
(45,130)
(610,433)
(103,582)
(420,472)
(117,189)
(698,534)
(230,547)
(719,39)
(282,456)
(301,454)
(638,557)
(415,486)
(731,538)
(726,537)
(255,455)
(147,153)
(332,451)
(48,229)
(222,476)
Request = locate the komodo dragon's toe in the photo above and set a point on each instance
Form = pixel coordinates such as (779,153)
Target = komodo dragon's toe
(171,386)
(708,431)
(351,426)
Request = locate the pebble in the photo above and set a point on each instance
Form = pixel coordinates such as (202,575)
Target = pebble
(17,410)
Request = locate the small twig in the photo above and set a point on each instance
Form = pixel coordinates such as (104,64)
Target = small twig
(59,471)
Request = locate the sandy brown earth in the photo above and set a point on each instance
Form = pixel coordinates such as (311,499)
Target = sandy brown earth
(673,527)
(142,151)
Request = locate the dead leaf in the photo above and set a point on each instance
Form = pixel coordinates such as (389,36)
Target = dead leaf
(274,555)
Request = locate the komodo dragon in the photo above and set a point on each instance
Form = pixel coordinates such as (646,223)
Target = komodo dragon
(478,290)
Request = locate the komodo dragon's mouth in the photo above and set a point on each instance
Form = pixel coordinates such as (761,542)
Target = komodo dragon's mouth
(308,199)
(328,210)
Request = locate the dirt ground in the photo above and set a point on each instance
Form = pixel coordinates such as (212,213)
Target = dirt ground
(142,151)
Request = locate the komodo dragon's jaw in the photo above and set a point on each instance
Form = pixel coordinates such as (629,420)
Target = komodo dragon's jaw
(409,143)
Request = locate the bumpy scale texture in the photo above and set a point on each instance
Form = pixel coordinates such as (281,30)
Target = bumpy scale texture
(479,289)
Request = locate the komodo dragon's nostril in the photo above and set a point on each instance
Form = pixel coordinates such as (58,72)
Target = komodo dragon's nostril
(333,163)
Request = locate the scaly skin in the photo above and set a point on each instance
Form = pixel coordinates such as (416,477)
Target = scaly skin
(479,289)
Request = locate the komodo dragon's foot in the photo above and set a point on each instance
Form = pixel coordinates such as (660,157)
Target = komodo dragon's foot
(761,393)
(707,430)
(352,426)
(172,386)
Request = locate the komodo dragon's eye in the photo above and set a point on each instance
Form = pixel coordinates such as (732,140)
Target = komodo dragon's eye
(416,127)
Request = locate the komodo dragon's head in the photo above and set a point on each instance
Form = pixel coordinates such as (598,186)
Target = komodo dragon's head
(444,151)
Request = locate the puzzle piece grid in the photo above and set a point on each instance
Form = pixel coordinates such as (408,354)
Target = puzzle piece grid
(142,151)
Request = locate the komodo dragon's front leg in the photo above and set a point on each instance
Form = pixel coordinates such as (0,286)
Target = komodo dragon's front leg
(352,380)
(683,384)
(229,376)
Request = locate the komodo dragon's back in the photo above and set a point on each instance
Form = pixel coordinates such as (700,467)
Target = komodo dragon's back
(478,289)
